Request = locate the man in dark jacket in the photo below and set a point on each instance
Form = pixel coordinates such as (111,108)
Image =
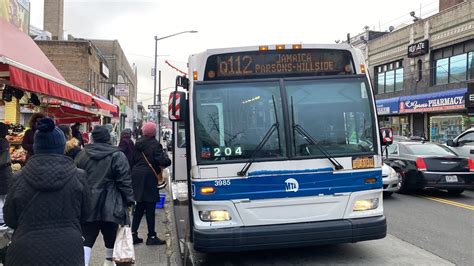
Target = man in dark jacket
(109,178)
(46,203)
(126,144)
(5,166)
(29,137)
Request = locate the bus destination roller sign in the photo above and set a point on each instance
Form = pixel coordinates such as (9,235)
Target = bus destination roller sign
(267,64)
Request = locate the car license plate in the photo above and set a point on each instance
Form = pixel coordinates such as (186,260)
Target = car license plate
(363,162)
(451,178)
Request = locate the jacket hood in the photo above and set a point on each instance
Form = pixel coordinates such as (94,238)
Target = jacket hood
(98,151)
(71,144)
(48,172)
(145,142)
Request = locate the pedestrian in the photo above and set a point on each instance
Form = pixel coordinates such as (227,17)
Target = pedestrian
(76,132)
(147,148)
(5,167)
(126,144)
(46,202)
(108,174)
(72,144)
(29,137)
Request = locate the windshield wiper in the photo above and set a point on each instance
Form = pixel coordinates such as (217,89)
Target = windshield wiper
(273,127)
(311,140)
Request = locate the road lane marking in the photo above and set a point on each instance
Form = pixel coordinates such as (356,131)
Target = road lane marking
(450,202)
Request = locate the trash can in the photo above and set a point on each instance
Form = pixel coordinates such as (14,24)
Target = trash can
(160,204)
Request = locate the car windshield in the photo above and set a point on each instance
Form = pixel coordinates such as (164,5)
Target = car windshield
(335,112)
(232,119)
(430,149)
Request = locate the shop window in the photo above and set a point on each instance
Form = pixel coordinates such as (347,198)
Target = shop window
(389,77)
(457,68)
(442,69)
(390,81)
(471,65)
(443,128)
(399,79)
(380,82)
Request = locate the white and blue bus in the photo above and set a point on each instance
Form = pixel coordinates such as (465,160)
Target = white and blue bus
(278,147)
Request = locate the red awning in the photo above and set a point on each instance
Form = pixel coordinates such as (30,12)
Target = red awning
(68,115)
(104,105)
(25,66)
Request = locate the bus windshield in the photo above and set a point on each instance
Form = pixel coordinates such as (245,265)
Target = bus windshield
(232,118)
(335,112)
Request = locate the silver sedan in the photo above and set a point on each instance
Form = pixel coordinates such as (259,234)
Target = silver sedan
(390,180)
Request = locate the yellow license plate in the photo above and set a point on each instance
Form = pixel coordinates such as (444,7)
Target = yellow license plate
(363,162)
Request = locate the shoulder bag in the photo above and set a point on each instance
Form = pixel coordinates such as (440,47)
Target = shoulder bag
(159,177)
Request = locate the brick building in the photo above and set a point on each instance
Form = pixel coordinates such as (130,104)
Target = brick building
(420,71)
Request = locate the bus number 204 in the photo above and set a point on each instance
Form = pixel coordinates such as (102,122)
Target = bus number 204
(222,182)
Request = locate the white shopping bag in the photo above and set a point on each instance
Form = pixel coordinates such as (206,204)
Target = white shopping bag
(123,247)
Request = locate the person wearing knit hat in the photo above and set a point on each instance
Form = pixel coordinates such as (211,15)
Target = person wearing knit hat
(49,139)
(52,196)
(108,174)
(148,157)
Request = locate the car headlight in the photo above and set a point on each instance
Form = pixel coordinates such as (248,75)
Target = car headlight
(214,216)
(366,204)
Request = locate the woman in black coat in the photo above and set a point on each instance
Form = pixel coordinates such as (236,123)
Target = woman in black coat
(46,204)
(5,166)
(126,144)
(145,182)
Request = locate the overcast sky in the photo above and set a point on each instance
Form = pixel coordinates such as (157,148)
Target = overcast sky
(221,24)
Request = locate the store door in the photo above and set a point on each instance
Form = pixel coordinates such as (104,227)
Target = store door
(418,125)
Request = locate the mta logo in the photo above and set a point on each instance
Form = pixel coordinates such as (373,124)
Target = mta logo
(291,185)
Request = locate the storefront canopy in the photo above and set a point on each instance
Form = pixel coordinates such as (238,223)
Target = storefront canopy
(25,66)
(68,113)
(105,105)
(387,106)
(431,102)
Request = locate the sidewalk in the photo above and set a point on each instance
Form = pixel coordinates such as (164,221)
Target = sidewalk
(162,255)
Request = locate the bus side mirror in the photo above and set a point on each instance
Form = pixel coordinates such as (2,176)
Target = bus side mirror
(176,106)
(386,136)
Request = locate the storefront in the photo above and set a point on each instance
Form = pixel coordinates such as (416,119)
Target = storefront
(443,114)
(389,116)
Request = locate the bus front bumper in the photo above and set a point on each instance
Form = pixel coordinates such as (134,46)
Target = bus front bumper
(290,235)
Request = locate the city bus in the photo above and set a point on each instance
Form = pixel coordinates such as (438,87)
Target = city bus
(276,146)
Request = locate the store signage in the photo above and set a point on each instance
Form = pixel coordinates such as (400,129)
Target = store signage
(104,70)
(469,96)
(121,90)
(387,106)
(419,48)
(430,105)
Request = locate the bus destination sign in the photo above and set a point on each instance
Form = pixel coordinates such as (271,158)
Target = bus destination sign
(266,64)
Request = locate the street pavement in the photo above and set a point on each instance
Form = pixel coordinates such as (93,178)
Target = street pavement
(424,228)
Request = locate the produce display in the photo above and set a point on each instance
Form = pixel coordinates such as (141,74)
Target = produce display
(17,153)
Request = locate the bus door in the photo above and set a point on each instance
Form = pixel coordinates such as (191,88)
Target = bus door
(179,161)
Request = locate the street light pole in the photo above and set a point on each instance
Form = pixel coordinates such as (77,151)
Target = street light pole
(154,79)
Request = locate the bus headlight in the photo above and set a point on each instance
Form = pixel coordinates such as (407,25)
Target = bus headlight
(366,204)
(214,216)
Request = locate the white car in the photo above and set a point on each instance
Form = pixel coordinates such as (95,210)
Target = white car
(463,144)
(390,180)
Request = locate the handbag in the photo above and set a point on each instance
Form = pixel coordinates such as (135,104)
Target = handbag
(159,177)
(124,253)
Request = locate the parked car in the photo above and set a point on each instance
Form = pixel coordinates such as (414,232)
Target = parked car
(390,180)
(430,165)
(463,144)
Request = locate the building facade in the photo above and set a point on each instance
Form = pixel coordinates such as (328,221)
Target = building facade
(420,73)
(123,77)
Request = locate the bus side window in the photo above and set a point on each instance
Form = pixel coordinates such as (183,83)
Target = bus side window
(181,136)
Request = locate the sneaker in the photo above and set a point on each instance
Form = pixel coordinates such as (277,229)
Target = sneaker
(136,239)
(153,241)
